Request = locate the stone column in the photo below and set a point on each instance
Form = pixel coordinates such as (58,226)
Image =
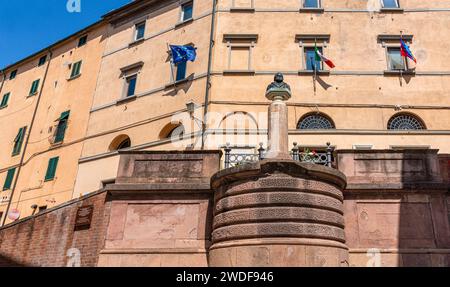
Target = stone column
(278,146)
(278,211)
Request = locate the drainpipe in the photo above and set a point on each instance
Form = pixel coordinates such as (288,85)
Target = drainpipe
(50,54)
(208,74)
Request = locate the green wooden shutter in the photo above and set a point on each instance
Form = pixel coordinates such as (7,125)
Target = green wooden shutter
(76,69)
(51,169)
(34,87)
(5,100)
(18,141)
(62,126)
(9,178)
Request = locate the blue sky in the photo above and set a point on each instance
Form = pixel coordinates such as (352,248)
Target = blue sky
(27,26)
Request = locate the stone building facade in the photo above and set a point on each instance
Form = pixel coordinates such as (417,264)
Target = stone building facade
(125,95)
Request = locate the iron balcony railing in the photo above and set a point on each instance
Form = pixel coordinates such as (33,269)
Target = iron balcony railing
(322,157)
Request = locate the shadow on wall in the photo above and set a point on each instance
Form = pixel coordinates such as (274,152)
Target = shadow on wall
(8,262)
(423,227)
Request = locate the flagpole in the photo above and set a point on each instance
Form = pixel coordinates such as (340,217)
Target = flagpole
(315,68)
(172,75)
(404,58)
(315,73)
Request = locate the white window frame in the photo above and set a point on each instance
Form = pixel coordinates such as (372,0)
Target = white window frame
(322,42)
(136,25)
(388,61)
(396,1)
(184,3)
(319,4)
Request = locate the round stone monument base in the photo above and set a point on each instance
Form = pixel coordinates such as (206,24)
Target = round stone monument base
(279,252)
(278,213)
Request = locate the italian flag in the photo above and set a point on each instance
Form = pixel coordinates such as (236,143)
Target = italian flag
(320,57)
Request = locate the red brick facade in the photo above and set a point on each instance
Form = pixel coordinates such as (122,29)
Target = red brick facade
(46,238)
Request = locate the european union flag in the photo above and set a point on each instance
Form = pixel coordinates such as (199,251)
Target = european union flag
(182,54)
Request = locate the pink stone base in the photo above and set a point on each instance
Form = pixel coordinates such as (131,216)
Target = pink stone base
(283,252)
(278,213)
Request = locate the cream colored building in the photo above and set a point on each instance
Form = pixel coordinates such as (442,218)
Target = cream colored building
(55,114)
(371,99)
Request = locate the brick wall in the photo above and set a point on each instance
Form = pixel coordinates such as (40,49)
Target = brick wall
(48,239)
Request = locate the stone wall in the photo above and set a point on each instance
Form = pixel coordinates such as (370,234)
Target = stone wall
(51,239)
(395,208)
(159,212)
(161,209)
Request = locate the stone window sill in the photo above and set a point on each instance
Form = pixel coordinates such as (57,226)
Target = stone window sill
(242,10)
(56,144)
(311,72)
(185,22)
(312,10)
(399,72)
(3,107)
(239,72)
(391,10)
(177,83)
(74,77)
(126,99)
(136,42)
(33,94)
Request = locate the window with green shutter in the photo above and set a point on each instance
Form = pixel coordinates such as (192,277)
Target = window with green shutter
(62,126)
(18,141)
(5,100)
(51,169)
(13,75)
(76,69)
(42,61)
(82,41)
(34,87)
(9,178)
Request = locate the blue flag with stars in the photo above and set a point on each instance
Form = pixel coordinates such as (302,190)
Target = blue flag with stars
(182,54)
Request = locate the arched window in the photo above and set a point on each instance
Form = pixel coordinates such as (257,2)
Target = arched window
(239,120)
(172,130)
(120,142)
(405,121)
(315,121)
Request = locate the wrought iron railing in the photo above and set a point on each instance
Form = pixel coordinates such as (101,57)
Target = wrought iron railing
(307,155)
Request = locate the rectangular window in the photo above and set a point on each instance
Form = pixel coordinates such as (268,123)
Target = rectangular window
(181,71)
(131,85)
(242,4)
(310,59)
(239,58)
(34,87)
(13,75)
(62,126)
(9,178)
(18,141)
(140,31)
(82,41)
(5,100)
(51,169)
(311,4)
(186,11)
(395,59)
(76,69)
(390,4)
(42,61)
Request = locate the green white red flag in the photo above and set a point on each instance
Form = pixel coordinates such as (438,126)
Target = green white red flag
(320,57)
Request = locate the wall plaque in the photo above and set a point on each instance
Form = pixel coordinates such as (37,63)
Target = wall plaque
(84,217)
